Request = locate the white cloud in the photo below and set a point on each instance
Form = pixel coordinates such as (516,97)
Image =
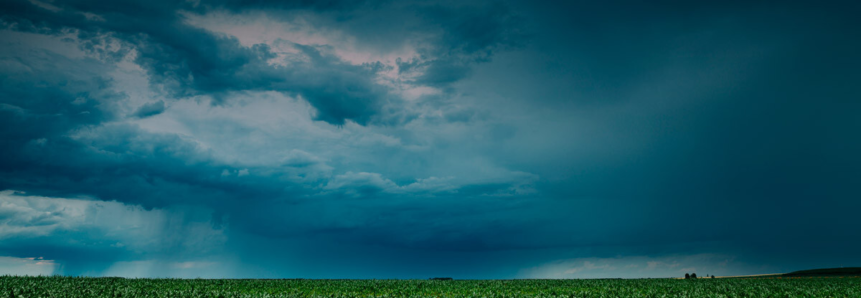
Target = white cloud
(589,266)
(259,28)
(252,129)
(26,266)
(638,266)
(361,182)
(172,269)
(432,184)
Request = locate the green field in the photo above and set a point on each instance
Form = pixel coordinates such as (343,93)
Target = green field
(120,287)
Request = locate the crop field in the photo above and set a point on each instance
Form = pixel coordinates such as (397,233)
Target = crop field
(120,287)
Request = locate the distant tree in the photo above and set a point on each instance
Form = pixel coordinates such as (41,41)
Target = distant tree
(713,276)
(687,276)
(693,275)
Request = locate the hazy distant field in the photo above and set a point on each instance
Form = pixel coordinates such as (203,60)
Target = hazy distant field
(118,287)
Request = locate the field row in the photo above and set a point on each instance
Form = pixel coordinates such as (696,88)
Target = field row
(74,287)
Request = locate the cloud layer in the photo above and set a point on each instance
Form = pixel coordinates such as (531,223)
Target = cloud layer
(414,139)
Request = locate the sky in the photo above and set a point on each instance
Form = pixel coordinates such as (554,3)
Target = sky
(417,139)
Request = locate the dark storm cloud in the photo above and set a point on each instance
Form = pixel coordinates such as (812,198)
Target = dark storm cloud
(88,236)
(190,61)
(760,81)
(185,60)
(641,129)
(717,123)
(466,35)
(51,108)
(42,100)
(60,143)
(63,144)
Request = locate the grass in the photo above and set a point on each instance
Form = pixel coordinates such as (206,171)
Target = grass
(58,286)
